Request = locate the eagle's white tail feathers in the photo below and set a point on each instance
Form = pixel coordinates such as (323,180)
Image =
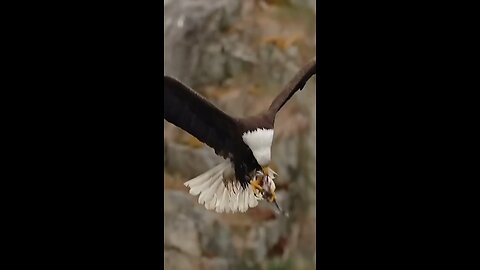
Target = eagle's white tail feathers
(252,201)
(240,202)
(200,182)
(216,196)
(209,187)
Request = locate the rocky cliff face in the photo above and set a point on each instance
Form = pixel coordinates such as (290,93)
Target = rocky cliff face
(239,54)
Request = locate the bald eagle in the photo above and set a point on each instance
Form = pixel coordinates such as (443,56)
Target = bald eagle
(245,176)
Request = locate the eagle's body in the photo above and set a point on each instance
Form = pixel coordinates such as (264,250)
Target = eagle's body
(245,143)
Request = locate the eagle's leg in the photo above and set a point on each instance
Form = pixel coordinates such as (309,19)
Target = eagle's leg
(256,185)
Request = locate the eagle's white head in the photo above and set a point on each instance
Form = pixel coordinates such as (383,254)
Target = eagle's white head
(260,142)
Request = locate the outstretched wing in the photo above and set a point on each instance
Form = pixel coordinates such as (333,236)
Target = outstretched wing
(297,83)
(189,111)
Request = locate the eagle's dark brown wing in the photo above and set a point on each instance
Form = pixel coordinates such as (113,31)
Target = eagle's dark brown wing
(295,84)
(189,111)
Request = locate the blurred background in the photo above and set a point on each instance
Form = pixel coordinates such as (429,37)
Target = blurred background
(239,54)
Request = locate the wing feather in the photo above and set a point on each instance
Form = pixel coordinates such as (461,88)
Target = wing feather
(189,111)
(295,84)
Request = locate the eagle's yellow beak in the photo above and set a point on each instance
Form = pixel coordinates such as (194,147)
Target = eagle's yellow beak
(265,170)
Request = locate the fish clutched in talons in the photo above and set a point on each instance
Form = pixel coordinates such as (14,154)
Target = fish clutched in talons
(264,187)
(281,210)
(256,184)
(269,194)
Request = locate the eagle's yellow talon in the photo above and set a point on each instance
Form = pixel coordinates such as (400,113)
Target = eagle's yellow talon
(273,198)
(256,186)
